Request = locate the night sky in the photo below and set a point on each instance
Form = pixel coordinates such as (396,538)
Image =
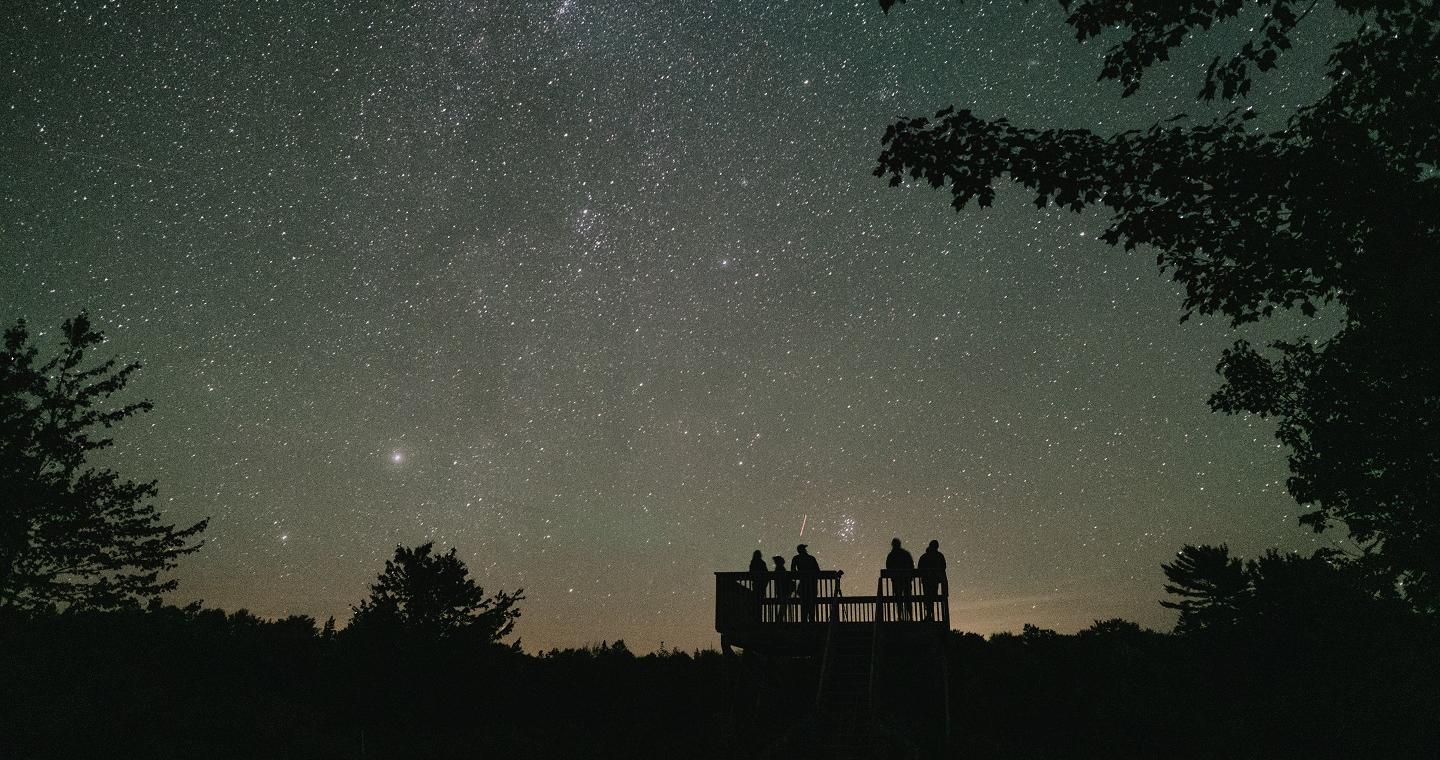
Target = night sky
(602,294)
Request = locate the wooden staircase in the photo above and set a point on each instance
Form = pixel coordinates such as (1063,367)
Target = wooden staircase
(844,722)
(879,655)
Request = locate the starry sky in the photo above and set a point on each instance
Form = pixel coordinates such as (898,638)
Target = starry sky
(602,294)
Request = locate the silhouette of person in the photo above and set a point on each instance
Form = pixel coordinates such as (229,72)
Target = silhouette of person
(758,572)
(784,587)
(807,571)
(902,565)
(932,574)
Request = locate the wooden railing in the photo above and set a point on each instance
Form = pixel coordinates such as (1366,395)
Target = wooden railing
(906,596)
(745,600)
(853,609)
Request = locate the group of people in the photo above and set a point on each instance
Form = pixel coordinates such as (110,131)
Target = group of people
(803,577)
(931,572)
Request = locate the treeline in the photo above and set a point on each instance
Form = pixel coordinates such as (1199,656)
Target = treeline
(1284,655)
(170,683)
(1337,689)
(192,682)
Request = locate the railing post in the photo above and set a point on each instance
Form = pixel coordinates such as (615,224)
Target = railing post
(880,603)
(945,599)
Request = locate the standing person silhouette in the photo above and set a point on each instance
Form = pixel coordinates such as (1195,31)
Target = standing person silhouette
(902,565)
(784,586)
(807,571)
(932,575)
(758,571)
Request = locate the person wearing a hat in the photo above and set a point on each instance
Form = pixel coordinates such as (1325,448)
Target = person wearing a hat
(807,571)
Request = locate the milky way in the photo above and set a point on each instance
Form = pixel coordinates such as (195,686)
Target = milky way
(603,294)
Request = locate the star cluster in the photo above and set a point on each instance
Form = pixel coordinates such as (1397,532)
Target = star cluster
(602,293)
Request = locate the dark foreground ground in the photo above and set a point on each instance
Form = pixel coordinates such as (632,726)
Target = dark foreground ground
(203,684)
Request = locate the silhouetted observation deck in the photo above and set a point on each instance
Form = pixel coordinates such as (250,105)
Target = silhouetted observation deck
(882,657)
(751,615)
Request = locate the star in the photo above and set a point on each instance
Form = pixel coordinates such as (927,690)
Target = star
(632,281)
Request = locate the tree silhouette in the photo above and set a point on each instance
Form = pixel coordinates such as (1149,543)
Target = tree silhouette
(1275,592)
(1211,584)
(1335,207)
(72,535)
(1115,628)
(432,596)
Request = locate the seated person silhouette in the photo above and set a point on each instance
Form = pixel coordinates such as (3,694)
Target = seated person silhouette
(902,566)
(932,575)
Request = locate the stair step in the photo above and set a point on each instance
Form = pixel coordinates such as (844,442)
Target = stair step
(844,698)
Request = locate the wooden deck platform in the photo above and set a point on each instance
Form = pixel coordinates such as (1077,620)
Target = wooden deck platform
(876,654)
(751,613)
